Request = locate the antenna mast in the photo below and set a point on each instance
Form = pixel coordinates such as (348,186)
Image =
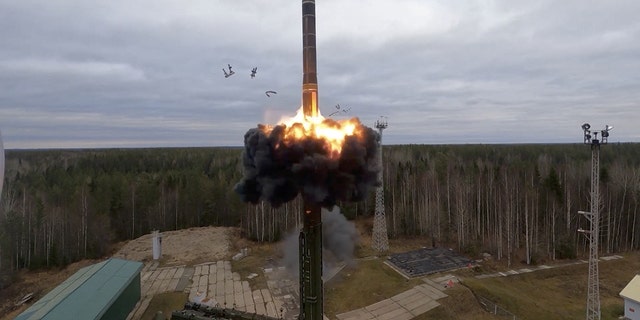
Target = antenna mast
(593,290)
(380,237)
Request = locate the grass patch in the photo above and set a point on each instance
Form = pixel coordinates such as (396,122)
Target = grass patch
(460,304)
(558,293)
(365,283)
(364,249)
(166,302)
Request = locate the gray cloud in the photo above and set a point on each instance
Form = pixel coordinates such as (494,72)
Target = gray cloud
(148,73)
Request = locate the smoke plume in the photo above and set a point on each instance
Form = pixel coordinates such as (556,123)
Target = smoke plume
(277,170)
(339,239)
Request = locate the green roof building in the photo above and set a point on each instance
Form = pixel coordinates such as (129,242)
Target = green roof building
(106,290)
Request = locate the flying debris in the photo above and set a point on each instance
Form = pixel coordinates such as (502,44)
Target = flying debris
(253,72)
(339,109)
(228,74)
(270,92)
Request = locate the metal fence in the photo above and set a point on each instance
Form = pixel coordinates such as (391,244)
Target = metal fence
(493,308)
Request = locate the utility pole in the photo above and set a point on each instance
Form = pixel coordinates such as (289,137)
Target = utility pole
(593,290)
(380,237)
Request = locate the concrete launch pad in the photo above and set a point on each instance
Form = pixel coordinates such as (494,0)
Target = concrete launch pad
(427,261)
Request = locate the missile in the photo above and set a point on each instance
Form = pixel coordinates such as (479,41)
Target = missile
(310,241)
(309,65)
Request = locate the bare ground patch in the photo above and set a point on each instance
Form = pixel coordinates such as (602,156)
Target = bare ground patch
(186,246)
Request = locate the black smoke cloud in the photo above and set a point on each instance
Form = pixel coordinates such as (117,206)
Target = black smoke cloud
(277,171)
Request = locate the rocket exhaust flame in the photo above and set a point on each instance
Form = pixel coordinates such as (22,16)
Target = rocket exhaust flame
(283,161)
(332,132)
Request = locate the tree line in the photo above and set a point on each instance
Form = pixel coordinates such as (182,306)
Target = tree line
(60,206)
(513,201)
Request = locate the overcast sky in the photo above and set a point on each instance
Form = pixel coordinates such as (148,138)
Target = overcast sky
(148,73)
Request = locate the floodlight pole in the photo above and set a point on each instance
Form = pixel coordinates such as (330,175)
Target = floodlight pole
(380,236)
(593,290)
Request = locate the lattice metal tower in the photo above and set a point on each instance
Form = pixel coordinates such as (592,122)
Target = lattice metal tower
(593,234)
(380,237)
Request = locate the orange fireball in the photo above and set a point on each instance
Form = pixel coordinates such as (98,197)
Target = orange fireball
(332,132)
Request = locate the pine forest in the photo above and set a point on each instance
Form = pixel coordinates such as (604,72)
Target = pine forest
(512,201)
